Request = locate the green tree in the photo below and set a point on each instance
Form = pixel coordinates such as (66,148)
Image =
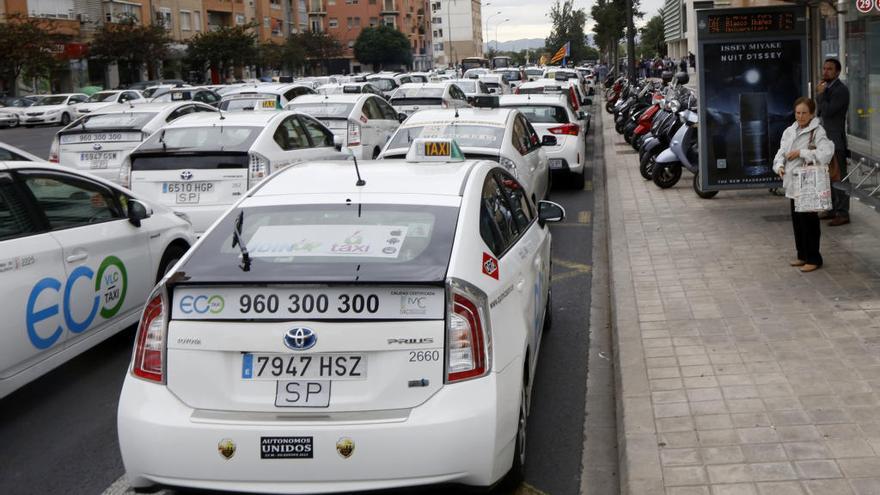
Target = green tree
(131,45)
(653,40)
(28,50)
(382,45)
(223,49)
(568,26)
(610,25)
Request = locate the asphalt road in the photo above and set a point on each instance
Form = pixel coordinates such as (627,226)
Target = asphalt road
(59,432)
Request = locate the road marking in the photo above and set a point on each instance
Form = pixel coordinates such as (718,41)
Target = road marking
(588,185)
(584,217)
(121,487)
(527,489)
(574,269)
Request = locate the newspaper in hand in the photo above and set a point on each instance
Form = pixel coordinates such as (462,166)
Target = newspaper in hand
(812,189)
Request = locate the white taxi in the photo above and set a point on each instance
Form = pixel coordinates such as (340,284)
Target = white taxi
(100,142)
(262,97)
(551,116)
(78,257)
(325,326)
(503,135)
(104,99)
(201,164)
(412,97)
(52,109)
(363,122)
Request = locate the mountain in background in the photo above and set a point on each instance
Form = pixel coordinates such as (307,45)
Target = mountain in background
(517,45)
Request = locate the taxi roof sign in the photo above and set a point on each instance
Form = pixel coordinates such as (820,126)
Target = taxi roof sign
(434,150)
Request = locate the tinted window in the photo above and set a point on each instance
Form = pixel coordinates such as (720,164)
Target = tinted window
(14,218)
(520,136)
(115,121)
(300,243)
(50,100)
(102,96)
(497,225)
(9,156)
(467,86)
(371,110)
(544,114)
(70,202)
(290,135)
(317,133)
(388,112)
(523,213)
(534,140)
(466,135)
(324,110)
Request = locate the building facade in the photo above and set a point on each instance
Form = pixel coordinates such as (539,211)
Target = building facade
(456,28)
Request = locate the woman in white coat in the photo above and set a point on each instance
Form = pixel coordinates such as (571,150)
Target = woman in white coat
(802,143)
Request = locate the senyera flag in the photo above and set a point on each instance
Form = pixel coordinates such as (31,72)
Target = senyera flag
(563,52)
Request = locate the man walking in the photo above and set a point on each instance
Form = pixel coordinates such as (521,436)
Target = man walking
(832,98)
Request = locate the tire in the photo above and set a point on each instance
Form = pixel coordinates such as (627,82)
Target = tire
(609,107)
(620,127)
(170,258)
(15,124)
(646,164)
(700,192)
(65,119)
(666,175)
(548,313)
(628,138)
(514,477)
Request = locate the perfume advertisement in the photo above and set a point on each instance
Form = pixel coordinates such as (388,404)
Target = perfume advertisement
(748,84)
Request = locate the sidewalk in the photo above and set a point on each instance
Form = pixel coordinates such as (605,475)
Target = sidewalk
(737,374)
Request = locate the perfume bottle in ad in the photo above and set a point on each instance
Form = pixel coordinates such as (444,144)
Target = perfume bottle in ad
(754,133)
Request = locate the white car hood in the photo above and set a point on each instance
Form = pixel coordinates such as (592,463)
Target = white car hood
(94,105)
(45,108)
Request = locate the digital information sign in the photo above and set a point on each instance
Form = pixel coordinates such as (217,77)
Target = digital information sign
(752,66)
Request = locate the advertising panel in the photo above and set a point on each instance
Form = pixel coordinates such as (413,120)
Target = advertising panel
(752,65)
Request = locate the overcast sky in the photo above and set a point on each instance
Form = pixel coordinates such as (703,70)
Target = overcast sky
(530,19)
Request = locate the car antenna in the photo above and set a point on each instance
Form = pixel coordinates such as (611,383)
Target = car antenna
(236,241)
(360,182)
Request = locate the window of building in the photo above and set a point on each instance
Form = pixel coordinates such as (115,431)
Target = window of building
(436,20)
(333,23)
(862,74)
(315,25)
(438,47)
(266,22)
(59,9)
(277,27)
(357,22)
(372,2)
(275,4)
(374,21)
(185,20)
(197,20)
(164,18)
(390,21)
(239,20)
(331,3)
(351,43)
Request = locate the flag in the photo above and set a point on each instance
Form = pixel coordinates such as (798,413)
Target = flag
(563,52)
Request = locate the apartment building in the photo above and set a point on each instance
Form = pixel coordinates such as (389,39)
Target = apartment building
(456,28)
(345,19)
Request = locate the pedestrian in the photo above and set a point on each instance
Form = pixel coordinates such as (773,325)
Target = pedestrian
(832,98)
(803,142)
(682,64)
(693,61)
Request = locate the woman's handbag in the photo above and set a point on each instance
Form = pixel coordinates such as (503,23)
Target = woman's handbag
(812,185)
(834,169)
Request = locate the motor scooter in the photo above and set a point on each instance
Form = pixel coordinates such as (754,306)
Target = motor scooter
(683,152)
(662,131)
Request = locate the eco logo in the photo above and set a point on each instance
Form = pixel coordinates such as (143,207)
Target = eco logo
(110,284)
(202,304)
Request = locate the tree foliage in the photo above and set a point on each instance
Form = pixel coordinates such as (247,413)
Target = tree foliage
(382,45)
(131,43)
(610,23)
(653,40)
(224,48)
(568,26)
(28,50)
(318,48)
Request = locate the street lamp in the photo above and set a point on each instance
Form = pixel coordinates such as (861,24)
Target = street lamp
(487,24)
(496,32)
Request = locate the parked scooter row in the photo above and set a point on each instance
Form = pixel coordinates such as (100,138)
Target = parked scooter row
(660,121)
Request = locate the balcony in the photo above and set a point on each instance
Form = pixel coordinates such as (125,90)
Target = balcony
(317,7)
(389,7)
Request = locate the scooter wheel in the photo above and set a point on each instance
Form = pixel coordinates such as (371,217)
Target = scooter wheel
(609,107)
(666,175)
(646,164)
(620,127)
(699,191)
(627,137)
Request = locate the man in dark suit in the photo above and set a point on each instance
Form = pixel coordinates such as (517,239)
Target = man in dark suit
(832,99)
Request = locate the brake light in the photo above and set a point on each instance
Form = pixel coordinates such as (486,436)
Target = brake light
(124,178)
(468,336)
(148,362)
(53,151)
(258,168)
(517,91)
(569,129)
(354,134)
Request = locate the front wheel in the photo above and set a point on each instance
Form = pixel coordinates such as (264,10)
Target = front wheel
(646,164)
(700,192)
(15,124)
(609,107)
(169,259)
(65,119)
(666,175)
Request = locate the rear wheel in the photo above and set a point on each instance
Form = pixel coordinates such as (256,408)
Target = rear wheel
(646,164)
(515,476)
(65,119)
(700,192)
(666,175)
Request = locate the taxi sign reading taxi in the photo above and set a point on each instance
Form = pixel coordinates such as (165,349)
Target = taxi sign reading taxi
(434,150)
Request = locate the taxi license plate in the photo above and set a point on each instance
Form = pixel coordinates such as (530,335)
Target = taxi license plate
(97,158)
(261,366)
(302,394)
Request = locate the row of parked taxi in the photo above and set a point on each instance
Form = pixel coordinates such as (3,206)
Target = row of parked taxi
(316,310)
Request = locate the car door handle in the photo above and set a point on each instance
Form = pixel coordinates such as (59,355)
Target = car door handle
(73,258)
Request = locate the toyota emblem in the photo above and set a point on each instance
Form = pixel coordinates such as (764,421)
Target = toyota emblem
(300,338)
(97,147)
(186,175)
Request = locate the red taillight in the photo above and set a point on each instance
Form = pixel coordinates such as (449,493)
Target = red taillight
(149,350)
(569,129)
(468,340)
(517,91)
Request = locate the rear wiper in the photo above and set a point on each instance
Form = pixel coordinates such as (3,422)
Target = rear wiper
(236,241)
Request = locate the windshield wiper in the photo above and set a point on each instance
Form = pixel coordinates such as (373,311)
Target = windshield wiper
(236,241)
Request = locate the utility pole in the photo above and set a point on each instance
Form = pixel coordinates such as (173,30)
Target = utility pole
(630,42)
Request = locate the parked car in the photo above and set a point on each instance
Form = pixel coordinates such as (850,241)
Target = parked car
(201,95)
(104,99)
(263,96)
(53,109)
(412,97)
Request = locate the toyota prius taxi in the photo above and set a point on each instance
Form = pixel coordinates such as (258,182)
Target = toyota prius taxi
(344,329)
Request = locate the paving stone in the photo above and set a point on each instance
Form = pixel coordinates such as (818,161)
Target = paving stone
(806,450)
(817,469)
(729,473)
(827,487)
(684,475)
(722,455)
(734,489)
(869,486)
(673,457)
(688,490)
(758,435)
(773,471)
(780,488)
(851,447)
(863,467)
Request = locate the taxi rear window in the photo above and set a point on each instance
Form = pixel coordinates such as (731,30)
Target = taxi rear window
(324,110)
(135,120)
(213,138)
(474,136)
(329,243)
(549,114)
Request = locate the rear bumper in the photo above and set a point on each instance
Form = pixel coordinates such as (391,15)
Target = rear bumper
(568,153)
(464,434)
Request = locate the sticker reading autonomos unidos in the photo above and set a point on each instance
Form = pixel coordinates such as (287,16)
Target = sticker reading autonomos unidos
(340,241)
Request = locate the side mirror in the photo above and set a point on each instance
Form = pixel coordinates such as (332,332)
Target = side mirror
(337,142)
(401,117)
(548,141)
(137,211)
(550,212)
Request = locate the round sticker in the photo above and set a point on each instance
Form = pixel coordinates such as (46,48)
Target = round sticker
(865,6)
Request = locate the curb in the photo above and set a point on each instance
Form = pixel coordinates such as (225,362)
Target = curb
(638,452)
